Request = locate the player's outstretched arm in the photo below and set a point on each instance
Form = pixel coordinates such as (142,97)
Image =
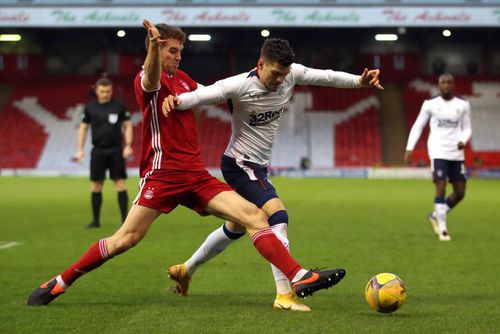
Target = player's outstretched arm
(216,93)
(152,64)
(370,78)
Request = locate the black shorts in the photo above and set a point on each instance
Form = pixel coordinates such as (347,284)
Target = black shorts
(448,169)
(249,179)
(102,159)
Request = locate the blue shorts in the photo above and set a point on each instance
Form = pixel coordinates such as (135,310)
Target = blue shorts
(448,169)
(249,179)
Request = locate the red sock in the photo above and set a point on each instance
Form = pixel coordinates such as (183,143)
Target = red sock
(96,255)
(274,252)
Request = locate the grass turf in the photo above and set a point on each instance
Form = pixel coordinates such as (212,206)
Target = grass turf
(365,226)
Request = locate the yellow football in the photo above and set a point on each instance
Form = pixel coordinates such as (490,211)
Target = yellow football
(385,293)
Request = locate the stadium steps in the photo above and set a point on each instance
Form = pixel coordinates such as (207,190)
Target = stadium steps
(392,125)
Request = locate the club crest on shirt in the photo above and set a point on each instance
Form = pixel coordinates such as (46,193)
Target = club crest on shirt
(185,85)
(281,90)
(149,193)
(113,118)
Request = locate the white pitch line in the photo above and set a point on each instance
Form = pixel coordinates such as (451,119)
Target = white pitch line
(10,245)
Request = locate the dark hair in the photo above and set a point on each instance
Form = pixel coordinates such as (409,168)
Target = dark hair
(277,50)
(167,32)
(445,76)
(103,81)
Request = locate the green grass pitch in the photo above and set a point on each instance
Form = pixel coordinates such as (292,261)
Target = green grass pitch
(365,226)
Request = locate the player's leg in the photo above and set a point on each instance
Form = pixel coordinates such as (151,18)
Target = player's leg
(457,195)
(440,176)
(251,182)
(458,180)
(213,245)
(130,233)
(278,220)
(231,206)
(118,173)
(97,176)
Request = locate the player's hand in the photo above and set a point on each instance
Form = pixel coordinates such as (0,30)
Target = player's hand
(153,33)
(169,104)
(78,156)
(369,78)
(408,157)
(127,152)
(461,145)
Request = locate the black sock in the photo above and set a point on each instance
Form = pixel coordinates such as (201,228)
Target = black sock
(96,206)
(123,203)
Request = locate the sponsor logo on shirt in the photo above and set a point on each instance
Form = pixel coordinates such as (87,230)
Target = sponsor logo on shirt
(447,123)
(264,118)
(256,96)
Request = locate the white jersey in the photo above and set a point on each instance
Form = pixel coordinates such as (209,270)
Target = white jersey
(256,111)
(449,125)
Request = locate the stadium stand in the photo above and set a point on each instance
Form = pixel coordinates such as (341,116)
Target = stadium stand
(331,127)
(50,112)
(317,117)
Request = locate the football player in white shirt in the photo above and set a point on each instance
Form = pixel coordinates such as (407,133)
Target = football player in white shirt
(257,100)
(450,130)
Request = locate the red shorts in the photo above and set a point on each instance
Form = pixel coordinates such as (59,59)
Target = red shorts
(164,190)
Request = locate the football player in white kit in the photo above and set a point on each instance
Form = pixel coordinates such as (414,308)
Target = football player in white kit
(450,130)
(256,101)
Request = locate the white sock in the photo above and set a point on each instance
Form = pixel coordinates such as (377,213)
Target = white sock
(61,282)
(283,287)
(441,216)
(434,213)
(215,243)
(282,284)
(299,275)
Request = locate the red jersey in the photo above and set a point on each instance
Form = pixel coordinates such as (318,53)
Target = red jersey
(168,143)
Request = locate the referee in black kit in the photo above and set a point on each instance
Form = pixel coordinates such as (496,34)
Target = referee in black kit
(107,118)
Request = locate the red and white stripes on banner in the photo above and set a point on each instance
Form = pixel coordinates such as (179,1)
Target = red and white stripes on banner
(155,133)
(103,248)
(264,232)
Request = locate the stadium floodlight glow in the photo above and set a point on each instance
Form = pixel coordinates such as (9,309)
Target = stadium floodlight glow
(121,33)
(386,37)
(199,37)
(10,37)
(446,33)
(265,33)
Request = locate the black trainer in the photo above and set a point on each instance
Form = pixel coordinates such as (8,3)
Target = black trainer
(46,293)
(316,280)
(93,225)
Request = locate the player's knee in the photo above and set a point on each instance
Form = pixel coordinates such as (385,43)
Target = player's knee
(97,187)
(255,218)
(120,185)
(126,241)
(234,228)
